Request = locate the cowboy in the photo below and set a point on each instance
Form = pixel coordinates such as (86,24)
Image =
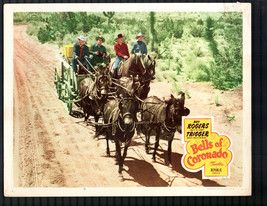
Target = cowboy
(139,45)
(122,52)
(81,52)
(98,52)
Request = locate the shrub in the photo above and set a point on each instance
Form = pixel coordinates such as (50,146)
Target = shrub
(196,30)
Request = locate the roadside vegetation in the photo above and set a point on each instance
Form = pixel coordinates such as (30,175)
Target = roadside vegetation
(190,46)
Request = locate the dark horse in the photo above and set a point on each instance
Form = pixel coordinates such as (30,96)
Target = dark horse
(134,65)
(120,116)
(162,119)
(128,86)
(94,93)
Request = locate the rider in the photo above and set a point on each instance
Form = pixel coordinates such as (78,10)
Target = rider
(122,52)
(139,45)
(81,52)
(98,51)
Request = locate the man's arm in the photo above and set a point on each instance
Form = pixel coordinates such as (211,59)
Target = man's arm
(132,50)
(127,51)
(118,52)
(75,48)
(87,52)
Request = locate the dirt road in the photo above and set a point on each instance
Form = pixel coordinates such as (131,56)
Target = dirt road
(54,149)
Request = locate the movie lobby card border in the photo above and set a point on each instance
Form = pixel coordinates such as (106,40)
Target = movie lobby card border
(10,190)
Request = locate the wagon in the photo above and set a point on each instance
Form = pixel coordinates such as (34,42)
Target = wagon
(67,82)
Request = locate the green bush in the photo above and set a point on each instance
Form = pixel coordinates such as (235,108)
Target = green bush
(196,30)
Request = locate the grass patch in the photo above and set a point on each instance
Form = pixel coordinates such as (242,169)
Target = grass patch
(217,99)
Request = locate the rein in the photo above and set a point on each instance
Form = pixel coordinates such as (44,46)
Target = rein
(122,87)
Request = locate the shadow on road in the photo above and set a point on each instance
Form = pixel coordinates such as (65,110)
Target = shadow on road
(143,173)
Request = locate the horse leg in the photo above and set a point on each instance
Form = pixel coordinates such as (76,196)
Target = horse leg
(127,144)
(169,162)
(147,140)
(97,128)
(118,151)
(156,147)
(107,150)
(85,115)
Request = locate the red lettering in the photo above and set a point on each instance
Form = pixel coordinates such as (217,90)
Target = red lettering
(189,161)
(209,155)
(210,144)
(194,148)
(200,147)
(225,155)
(219,154)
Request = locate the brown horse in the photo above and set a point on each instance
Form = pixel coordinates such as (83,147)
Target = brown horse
(134,65)
(163,119)
(94,93)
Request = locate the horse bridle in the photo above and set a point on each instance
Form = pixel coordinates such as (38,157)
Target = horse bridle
(98,79)
(127,113)
(122,117)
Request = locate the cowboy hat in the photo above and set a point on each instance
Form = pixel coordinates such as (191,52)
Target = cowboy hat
(140,34)
(100,37)
(81,37)
(119,36)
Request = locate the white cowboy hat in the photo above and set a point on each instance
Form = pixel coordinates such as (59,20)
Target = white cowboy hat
(81,37)
(140,34)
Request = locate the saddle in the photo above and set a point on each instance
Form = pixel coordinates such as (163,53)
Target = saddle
(119,69)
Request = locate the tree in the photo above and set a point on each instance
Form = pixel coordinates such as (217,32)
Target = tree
(109,15)
(152,29)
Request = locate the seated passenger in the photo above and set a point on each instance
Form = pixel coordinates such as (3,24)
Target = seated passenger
(98,51)
(122,52)
(139,45)
(81,52)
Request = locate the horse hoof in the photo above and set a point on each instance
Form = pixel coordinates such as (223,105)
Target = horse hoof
(153,159)
(121,177)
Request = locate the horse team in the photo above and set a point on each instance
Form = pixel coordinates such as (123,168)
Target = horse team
(118,101)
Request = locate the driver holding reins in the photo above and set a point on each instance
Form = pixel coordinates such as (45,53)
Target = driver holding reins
(80,52)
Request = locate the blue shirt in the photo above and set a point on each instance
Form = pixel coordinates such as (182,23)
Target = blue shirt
(139,46)
(77,49)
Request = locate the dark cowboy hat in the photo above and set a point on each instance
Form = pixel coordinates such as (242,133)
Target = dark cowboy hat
(119,36)
(100,37)
(140,34)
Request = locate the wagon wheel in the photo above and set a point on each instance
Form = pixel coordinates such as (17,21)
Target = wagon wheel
(57,83)
(67,96)
(74,85)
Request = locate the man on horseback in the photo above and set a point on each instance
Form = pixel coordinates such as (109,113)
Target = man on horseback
(139,45)
(81,52)
(122,52)
(98,51)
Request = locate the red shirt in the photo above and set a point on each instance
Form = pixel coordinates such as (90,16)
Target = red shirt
(121,50)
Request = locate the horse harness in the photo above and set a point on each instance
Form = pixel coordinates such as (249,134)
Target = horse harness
(158,108)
